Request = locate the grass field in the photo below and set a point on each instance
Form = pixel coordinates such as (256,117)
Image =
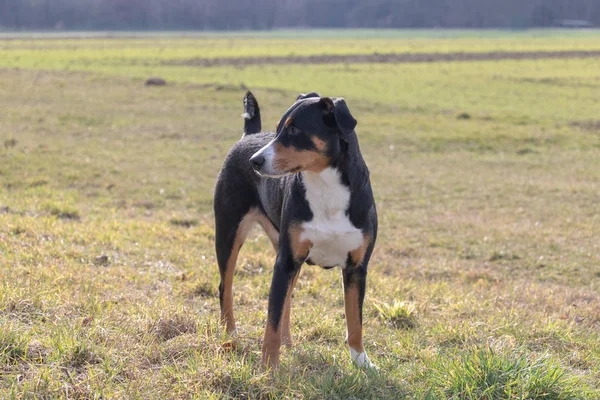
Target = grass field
(485,281)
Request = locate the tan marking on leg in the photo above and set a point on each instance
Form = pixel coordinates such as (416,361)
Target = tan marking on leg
(358,254)
(300,248)
(227,307)
(244,227)
(271,231)
(354,327)
(286,336)
(270,347)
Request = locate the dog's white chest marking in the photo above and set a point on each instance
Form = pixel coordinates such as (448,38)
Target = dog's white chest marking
(330,231)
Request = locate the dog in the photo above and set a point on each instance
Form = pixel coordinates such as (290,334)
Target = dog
(308,187)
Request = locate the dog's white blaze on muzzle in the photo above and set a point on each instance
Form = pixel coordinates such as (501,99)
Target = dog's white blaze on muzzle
(262,161)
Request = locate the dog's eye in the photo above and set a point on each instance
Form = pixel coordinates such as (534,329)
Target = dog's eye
(294,130)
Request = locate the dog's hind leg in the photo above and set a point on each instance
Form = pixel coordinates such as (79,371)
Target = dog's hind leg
(286,334)
(229,238)
(271,231)
(235,215)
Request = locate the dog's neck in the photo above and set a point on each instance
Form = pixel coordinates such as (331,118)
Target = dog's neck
(350,163)
(330,189)
(325,191)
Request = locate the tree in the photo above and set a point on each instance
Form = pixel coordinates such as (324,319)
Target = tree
(542,15)
(268,14)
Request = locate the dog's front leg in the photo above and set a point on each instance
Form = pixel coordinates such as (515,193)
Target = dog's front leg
(355,279)
(280,297)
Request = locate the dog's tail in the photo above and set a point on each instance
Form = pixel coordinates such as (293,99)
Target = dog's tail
(251,115)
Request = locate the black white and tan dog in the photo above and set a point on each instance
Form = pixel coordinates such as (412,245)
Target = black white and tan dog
(308,186)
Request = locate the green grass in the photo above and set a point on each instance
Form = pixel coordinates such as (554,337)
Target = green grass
(487,91)
(399,314)
(488,239)
(487,374)
(153,49)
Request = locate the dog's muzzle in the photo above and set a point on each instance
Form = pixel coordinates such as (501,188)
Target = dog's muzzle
(257,161)
(262,161)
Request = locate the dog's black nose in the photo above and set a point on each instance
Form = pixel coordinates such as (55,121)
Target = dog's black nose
(257,161)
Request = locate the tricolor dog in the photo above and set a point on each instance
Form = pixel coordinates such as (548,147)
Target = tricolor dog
(308,186)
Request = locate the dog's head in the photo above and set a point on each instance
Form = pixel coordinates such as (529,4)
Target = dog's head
(308,137)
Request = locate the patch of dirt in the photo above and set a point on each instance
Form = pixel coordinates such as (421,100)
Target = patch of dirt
(502,255)
(184,222)
(102,260)
(383,58)
(155,81)
(205,290)
(592,126)
(168,328)
(10,143)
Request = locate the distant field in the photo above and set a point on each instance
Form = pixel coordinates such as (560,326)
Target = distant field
(486,180)
(155,48)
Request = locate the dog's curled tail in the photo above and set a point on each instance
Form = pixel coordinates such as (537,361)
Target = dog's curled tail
(252,123)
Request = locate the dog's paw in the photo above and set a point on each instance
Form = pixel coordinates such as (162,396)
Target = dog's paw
(361,360)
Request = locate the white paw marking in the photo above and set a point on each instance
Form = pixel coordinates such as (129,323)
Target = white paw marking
(361,359)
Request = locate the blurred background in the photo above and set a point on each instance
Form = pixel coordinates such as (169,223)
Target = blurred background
(273,14)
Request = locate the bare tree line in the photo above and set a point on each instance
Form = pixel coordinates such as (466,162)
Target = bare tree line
(269,14)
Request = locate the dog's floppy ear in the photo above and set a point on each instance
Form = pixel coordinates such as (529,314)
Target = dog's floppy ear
(343,118)
(307,95)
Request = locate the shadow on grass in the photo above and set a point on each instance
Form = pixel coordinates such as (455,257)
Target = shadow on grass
(307,376)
